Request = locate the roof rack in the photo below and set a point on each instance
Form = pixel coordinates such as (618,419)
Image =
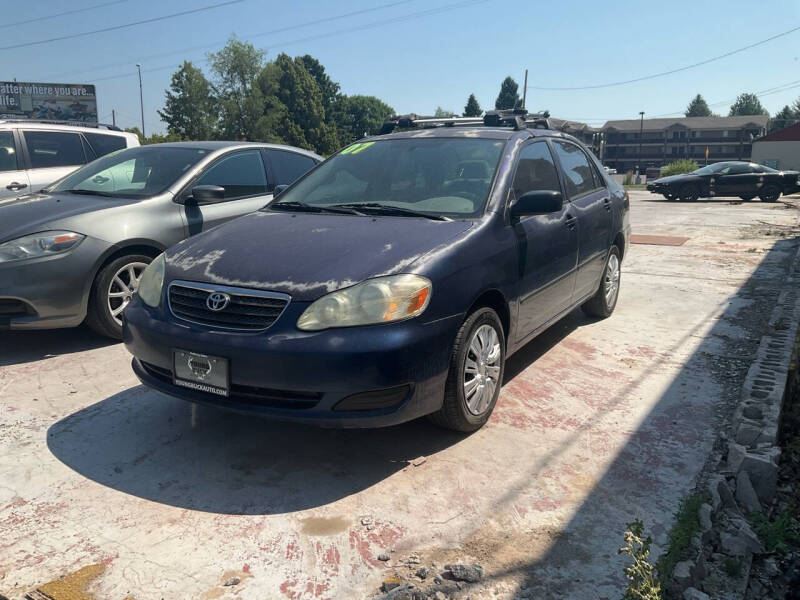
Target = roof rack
(518,118)
(54,122)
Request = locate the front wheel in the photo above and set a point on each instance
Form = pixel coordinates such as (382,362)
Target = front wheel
(689,193)
(477,363)
(605,298)
(112,291)
(771,193)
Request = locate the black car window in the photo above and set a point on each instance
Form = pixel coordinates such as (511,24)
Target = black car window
(736,169)
(8,155)
(287,167)
(241,174)
(103,144)
(577,170)
(535,170)
(54,149)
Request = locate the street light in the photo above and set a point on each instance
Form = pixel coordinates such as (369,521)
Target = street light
(639,154)
(141,98)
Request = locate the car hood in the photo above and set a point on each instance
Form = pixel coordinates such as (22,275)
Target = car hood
(40,212)
(673,178)
(307,255)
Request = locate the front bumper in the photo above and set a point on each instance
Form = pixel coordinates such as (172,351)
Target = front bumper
(288,374)
(51,291)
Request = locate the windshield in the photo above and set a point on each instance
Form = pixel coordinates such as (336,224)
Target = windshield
(139,172)
(438,176)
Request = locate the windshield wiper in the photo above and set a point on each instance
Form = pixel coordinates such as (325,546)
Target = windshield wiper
(392,210)
(297,205)
(90,193)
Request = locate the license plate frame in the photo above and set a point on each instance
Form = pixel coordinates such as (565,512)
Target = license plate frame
(201,372)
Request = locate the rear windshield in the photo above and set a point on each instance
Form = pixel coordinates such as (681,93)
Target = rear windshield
(139,172)
(439,176)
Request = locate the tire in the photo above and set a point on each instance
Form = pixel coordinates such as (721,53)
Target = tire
(689,193)
(669,197)
(468,406)
(771,193)
(604,301)
(103,299)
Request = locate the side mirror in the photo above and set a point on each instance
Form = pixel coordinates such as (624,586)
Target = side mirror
(206,194)
(537,202)
(279,190)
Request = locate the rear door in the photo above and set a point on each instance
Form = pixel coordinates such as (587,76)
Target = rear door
(590,202)
(51,155)
(548,244)
(13,177)
(102,143)
(244,177)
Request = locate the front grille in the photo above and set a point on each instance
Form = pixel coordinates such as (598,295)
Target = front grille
(247,310)
(245,394)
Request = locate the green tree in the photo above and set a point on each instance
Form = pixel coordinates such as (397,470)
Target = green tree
(784,118)
(357,116)
(747,104)
(698,107)
(241,104)
(328,88)
(155,138)
(472,109)
(443,113)
(190,109)
(508,96)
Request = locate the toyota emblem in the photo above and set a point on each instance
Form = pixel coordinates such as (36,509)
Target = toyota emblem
(217,301)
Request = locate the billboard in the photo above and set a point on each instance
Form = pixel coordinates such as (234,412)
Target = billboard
(49,101)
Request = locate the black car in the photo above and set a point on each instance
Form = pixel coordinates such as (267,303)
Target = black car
(391,281)
(743,179)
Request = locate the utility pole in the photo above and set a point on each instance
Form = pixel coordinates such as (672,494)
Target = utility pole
(525,89)
(141,97)
(113,117)
(639,154)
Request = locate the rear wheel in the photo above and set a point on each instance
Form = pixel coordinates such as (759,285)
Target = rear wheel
(112,291)
(770,193)
(476,371)
(689,193)
(604,301)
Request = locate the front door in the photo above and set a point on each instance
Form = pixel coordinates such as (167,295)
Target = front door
(13,178)
(590,203)
(739,179)
(244,178)
(548,245)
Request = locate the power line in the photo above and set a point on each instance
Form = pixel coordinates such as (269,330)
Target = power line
(247,36)
(671,71)
(65,13)
(124,26)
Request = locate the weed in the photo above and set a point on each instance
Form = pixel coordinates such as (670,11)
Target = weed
(732,567)
(779,534)
(642,582)
(687,524)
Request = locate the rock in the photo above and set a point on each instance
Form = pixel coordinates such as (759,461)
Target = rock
(736,454)
(747,434)
(403,592)
(682,575)
(694,594)
(745,494)
(390,583)
(728,501)
(437,580)
(232,581)
(763,472)
(771,568)
(422,572)
(752,411)
(705,517)
(740,542)
(713,492)
(468,573)
(366,521)
(383,557)
(440,596)
(419,461)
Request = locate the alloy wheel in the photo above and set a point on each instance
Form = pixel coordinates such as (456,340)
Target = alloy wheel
(482,369)
(611,280)
(122,287)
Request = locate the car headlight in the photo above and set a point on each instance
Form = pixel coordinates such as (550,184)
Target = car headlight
(152,282)
(379,300)
(39,244)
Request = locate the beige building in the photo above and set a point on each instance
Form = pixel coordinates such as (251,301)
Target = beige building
(779,150)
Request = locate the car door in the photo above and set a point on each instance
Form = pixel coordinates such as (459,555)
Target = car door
(590,203)
(738,179)
(51,155)
(244,177)
(13,177)
(548,244)
(286,167)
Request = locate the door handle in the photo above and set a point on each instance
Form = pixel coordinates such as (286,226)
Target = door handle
(571,222)
(15,185)
(607,203)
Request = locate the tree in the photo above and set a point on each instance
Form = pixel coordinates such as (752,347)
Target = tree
(508,96)
(190,110)
(698,107)
(472,109)
(155,138)
(357,116)
(784,118)
(443,113)
(747,104)
(328,88)
(235,69)
(682,165)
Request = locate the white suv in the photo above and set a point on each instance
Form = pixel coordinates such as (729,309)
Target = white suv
(35,154)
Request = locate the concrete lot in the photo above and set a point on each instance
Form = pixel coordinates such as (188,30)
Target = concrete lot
(598,423)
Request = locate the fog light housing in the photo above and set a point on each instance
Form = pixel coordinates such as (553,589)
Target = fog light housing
(374,400)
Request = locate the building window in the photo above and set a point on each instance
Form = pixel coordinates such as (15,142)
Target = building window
(724,133)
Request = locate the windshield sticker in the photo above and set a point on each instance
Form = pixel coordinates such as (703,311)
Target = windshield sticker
(356,148)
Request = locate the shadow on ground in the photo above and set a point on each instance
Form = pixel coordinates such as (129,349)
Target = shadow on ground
(19,347)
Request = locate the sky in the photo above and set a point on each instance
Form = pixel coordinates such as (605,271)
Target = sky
(419,54)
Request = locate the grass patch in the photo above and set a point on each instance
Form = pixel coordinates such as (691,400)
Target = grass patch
(732,567)
(778,535)
(635,186)
(687,524)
